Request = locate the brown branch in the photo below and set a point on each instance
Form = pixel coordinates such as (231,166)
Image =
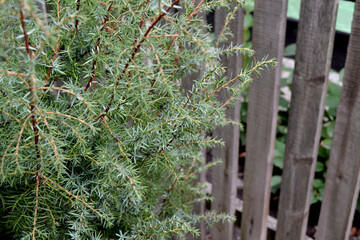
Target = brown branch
(167,35)
(160,68)
(197,41)
(137,47)
(32,89)
(253,69)
(13,73)
(22,20)
(142,18)
(193,12)
(18,140)
(51,136)
(74,196)
(54,57)
(77,20)
(109,29)
(71,117)
(92,77)
(37,19)
(3,157)
(227,21)
(69,92)
(8,114)
(32,82)
(38,180)
(57,43)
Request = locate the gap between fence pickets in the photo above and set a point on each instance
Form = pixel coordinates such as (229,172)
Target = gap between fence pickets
(271,221)
(290,64)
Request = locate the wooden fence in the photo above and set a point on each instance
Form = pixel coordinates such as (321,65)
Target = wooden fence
(313,57)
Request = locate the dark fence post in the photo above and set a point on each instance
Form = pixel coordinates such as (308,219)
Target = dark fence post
(342,178)
(312,64)
(268,39)
(224,176)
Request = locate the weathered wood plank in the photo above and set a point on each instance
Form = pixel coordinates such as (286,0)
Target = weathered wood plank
(312,64)
(342,179)
(268,39)
(239,206)
(224,175)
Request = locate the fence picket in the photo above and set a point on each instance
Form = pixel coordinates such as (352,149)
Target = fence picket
(343,176)
(312,64)
(224,176)
(268,39)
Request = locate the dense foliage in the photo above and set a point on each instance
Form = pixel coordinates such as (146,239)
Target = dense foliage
(98,139)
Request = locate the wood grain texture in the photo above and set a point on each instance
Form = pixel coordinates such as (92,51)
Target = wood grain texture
(312,64)
(342,179)
(224,176)
(268,39)
(271,221)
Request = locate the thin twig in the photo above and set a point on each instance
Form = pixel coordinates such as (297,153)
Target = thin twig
(142,18)
(19,139)
(53,59)
(136,49)
(36,204)
(3,157)
(69,92)
(51,137)
(22,21)
(13,73)
(77,20)
(32,82)
(174,38)
(74,196)
(240,76)
(227,21)
(92,77)
(72,117)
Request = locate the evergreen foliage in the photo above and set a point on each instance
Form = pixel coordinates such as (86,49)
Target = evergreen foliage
(98,139)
